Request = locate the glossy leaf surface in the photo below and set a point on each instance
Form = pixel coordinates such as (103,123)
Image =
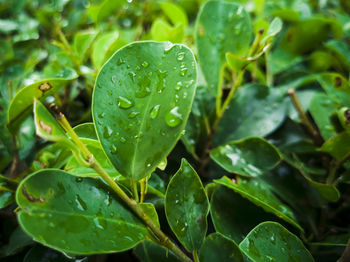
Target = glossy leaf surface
(247,157)
(147,89)
(266,111)
(270,241)
(187,207)
(229,251)
(220,27)
(259,193)
(76,215)
(224,204)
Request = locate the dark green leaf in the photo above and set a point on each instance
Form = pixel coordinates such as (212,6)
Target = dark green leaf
(148,251)
(259,192)
(216,247)
(247,157)
(140,101)
(76,215)
(270,241)
(187,207)
(254,111)
(338,146)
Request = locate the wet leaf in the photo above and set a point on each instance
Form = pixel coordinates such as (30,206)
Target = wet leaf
(247,157)
(187,207)
(220,27)
(259,193)
(270,241)
(147,89)
(76,215)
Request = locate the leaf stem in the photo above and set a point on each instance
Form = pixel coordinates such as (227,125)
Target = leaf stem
(143,189)
(195,256)
(132,204)
(304,119)
(135,192)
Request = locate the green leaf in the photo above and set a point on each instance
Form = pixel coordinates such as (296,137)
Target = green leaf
(74,167)
(322,108)
(339,240)
(162,31)
(265,113)
(270,241)
(235,225)
(187,207)
(76,215)
(18,240)
(337,146)
(86,130)
(82,41)
(274,28)
(103,10)
(216,247)
(21,104)
(102,46)
(220,27)
(149,252)
(141,104)
(249,157)
(175,13)
(259,192)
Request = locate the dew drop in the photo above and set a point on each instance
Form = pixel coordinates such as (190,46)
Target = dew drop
(145,64)
(133,114)
(120,61)
(178,86)
(101,115)
(80,203)
(183,71)
(161,80)
(180,56)
(113,149)
(173,118)
(124,103)
(122,139)
(114,79)
(107,132)
(137,68)
(132,76)
(154,112)
(78,179)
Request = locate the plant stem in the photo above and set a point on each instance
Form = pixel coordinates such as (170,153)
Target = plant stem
(143,189)
(132,204)
(135,192)
(304,119)
(195,256)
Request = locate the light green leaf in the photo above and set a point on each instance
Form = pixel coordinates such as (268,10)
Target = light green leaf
(220,27)
(21,104)
(247,157)
(259,192)
(141,101)
(216,247)
(86,130)
(82,41)
(274,28)
(187,207)
(102,46)
(76,215)
(270,241)
(338,146)
(150,252)
(175,13)
(104,9)
(162,31)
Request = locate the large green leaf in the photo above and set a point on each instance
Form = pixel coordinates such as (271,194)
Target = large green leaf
(255,110)
(224,204)
(141,102)
(187,207)
(247,157)
(270,241)
(221,27)
(216,247)
(76,215)
(21,104)
(259,192)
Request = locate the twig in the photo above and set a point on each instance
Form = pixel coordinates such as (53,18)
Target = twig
(132,204)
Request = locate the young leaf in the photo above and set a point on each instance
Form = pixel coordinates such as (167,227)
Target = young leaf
(270,241)
(259,192)
(187,207)
(220,27)
(274,28)
(86,130)
(224,204)
(102,46)
(76,215)
(249,157)
(22,102)
(141,102)
(255,111)
(217,247)
(82,41)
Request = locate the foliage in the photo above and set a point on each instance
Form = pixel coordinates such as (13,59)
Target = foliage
(202,130)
